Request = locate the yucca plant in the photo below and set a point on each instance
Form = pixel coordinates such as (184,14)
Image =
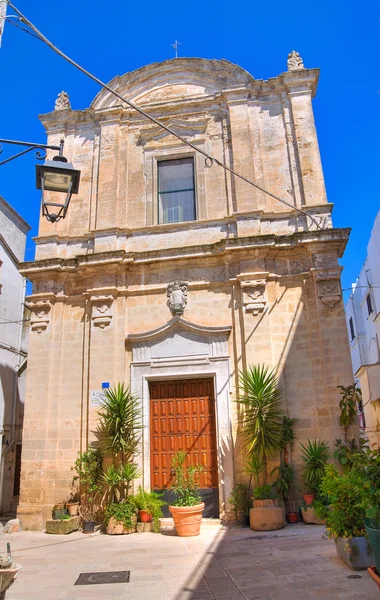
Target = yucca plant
(128,472)
(120,422)
(314,457)
(262,417)
(111,477)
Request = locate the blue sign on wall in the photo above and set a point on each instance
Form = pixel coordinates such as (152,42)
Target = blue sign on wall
(105,385)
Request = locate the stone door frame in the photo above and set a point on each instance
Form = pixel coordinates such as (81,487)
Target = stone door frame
(211,362)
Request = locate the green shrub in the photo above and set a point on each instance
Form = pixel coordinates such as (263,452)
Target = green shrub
(186,481)
(239,498)
(263,492)
(152,502)
(314,457)
(124,512)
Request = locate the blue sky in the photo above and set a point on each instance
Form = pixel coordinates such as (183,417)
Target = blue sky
(339,37)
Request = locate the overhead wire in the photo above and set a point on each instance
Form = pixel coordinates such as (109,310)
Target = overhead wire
(209,160)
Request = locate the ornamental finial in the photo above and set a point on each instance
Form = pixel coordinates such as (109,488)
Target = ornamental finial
(62,102)
(295,62)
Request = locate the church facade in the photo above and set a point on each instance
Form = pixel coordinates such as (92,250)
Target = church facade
(172,275)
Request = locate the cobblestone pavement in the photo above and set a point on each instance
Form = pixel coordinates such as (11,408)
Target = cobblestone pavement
(295,563)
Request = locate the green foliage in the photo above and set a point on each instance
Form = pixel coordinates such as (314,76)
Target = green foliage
(350,397)
(186,481)
(262,418)
(124,512)
(120,422)
(152,502)
(346,450)
(263,492)
(88,467)
(65,517)
(254,468)
(111,477)
(288,435)
(367,465)
(285,483)
(120,479)
(129,472)
(314,457)
(344,493)
(239,498)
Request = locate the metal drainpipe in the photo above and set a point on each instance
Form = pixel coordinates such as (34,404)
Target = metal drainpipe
(15,388)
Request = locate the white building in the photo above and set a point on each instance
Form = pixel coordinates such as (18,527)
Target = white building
(13,232)
(363,324)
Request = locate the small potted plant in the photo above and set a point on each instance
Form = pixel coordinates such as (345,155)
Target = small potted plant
(88,467)
(345,516)
(284,486)
(121,517)
(239,499)
(188,507)
(88,511)
(72,503)
(314,457)
(149,505)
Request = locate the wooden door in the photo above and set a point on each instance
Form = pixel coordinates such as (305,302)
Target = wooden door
(182,417)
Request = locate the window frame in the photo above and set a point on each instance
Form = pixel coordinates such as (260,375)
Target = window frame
(369,304)
(352,329)
(162,159)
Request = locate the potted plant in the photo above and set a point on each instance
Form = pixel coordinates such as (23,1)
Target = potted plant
(239,499)
(119,434)
(314,457)
(261,422)
(149,506)
(284,486)
(88,467)
(188,507)
(72,503)
(345,516)
(351,398)
(367,464)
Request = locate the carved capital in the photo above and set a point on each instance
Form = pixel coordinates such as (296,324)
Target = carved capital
(101,300)
(328,285)
(176,294)
(40,310)
(253,287)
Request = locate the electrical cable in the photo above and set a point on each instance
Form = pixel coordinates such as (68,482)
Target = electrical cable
(209,160)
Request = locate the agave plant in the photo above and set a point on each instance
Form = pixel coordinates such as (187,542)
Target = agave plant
(314,457)
(120,422)
(128,472)
(111,477)
(262,418)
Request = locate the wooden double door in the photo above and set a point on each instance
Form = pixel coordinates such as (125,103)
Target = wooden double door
(182,417)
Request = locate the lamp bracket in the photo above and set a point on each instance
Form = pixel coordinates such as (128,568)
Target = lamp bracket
(39,148)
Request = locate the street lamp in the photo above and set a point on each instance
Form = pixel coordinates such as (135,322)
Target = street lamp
(55,175)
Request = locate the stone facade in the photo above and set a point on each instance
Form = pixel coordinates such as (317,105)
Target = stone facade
(253,280)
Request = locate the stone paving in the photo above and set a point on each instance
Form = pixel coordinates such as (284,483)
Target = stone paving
(296,563)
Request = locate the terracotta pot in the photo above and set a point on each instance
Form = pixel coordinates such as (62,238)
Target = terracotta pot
(115,527)
(187,519)
(265,503)
(267,518)
(145,516)
(292,517)
(309,498)
(72,507)
(373,573)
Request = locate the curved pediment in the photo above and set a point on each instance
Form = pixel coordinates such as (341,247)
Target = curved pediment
(178,323)
(172,80)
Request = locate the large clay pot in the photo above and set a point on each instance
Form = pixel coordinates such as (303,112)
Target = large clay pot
(187,519)
(373,573)
(115,527)
(72,507)
(267,518)
(310,516)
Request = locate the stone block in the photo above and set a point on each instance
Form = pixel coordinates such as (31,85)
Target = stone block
(62,527)
(144,527)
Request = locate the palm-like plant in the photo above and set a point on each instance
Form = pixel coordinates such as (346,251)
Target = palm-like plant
(111,477)
(262,418)
(314,457)
(120,422)
(128,472)
(351,396)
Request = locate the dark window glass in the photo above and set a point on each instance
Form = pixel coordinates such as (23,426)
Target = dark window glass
(352,330)
(369,304)
(176,191)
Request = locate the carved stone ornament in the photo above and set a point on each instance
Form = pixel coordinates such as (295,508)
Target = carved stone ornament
(176,293)
(328,286)
(62,102)
(40,315)
(295,62)
(101,310)
(253,288)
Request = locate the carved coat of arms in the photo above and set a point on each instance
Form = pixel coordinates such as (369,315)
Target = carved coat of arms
(176,293)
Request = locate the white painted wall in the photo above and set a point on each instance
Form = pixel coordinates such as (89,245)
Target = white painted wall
(13,232)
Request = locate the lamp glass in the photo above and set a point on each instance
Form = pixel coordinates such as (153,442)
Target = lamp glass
(57,181)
